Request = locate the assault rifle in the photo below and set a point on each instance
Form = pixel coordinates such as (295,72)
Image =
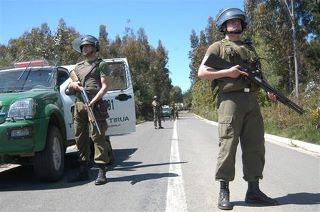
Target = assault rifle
(86,103)
(254,76)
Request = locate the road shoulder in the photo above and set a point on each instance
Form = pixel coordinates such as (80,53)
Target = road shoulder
(302,146)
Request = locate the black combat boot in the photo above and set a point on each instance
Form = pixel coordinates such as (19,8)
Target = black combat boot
(255,196)
(224,196)
(101,178)
(83,174)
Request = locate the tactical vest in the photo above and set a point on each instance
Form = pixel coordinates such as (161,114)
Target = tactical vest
(156,106)
(238,53)
(89,77)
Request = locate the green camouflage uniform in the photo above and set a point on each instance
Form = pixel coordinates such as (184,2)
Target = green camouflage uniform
(156,106)
(239,115)
(91,81)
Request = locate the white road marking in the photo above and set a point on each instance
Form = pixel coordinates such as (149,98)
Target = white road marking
(176,198)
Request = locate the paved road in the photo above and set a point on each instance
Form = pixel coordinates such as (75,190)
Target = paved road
(170,169)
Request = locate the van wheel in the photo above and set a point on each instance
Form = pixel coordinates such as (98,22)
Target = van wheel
(49,163)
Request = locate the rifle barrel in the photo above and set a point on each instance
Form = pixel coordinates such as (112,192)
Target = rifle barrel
(218,63)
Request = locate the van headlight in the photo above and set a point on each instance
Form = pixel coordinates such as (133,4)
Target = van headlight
(22,109)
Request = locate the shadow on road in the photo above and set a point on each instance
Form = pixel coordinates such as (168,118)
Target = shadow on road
(121,164)
(300,199)
(290,199)
(133,179)
(127,167)
(22,178)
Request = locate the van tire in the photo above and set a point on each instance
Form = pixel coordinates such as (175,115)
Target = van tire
(49,163)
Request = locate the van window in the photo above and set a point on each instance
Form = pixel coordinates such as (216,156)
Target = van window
(62,76)
(118,76)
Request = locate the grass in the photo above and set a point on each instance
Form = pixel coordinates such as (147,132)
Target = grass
(281,121)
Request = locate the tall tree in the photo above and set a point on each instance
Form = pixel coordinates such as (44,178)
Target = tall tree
(162,81)
(194,40)
(202,95)
(104,42)
(271,30)
(64,54)
(176,94)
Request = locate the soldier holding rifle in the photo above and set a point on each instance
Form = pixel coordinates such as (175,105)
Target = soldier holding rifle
(90,82)
(239,113)
(157,108)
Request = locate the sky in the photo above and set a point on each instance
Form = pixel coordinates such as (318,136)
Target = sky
(170,21)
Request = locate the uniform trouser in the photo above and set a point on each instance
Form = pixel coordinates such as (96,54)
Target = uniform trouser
(83,132)
(240,119)
(157,119)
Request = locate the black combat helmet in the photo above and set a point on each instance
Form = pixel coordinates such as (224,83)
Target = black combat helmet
(87,39)
(228,14)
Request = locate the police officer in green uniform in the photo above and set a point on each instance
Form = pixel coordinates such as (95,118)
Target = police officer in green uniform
(94,77)
(239,113)
(156,106)
(172,111)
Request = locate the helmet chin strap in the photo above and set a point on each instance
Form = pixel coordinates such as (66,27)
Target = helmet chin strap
(234,32)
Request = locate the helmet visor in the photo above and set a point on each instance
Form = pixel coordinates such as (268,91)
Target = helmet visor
(76,44)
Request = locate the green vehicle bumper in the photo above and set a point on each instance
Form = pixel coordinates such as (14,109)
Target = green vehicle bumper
(23,137)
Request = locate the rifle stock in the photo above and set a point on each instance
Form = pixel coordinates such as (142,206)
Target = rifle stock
(216,62)
(86,103)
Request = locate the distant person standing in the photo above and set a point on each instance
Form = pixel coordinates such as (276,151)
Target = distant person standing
(172,112)
(176,110)
(156,106)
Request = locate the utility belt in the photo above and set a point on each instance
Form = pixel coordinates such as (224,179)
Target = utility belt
(243,88)
(79,98)
(100,109)
(228,85)
(246,90)
(91,93)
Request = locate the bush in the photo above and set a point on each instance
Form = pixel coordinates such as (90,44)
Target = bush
(282,121)
(203,102)
(278,118)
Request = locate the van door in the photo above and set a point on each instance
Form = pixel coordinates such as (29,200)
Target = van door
(122,116)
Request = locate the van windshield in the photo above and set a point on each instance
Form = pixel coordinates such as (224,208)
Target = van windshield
(17,80)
